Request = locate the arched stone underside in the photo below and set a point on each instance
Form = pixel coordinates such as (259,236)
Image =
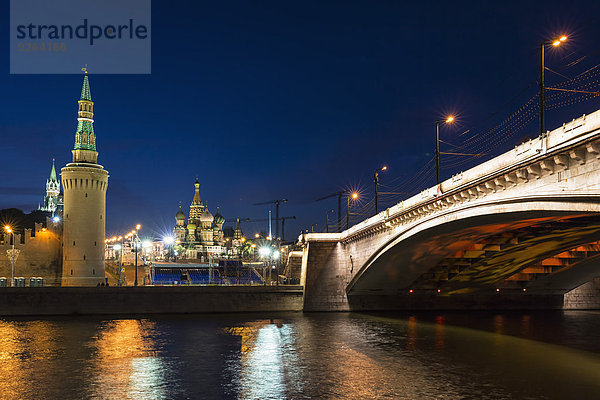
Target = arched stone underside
(535,243)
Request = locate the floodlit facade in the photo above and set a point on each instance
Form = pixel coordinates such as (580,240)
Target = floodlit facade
(84,184)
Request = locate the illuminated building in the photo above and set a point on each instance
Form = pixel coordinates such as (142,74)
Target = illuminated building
(84,184)
(202,238)
(53,201)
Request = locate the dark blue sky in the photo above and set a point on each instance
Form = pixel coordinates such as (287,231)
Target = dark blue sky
(267,100)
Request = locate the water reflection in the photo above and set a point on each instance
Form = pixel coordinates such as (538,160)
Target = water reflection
(297,356)
(261,371)
(124,363)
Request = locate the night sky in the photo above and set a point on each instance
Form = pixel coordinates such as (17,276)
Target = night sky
(293,99)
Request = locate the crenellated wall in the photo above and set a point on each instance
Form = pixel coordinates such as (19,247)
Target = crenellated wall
(39,256)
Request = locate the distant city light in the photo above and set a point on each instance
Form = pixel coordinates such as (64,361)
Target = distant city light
(56,218)
(138,226)
(169,240)
(8,229)
(256,235)
(355,195)
(117,247)
(450,119)
(264,251)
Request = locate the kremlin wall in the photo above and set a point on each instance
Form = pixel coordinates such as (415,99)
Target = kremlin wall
(38,256)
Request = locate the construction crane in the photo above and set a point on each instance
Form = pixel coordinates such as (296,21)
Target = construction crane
(339,210)
(277,203)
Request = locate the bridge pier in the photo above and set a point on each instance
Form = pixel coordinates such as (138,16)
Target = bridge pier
(584,297)
(324,277)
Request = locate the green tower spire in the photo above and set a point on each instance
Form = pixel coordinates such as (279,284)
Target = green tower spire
(85,139)
(53,172)
(85,90)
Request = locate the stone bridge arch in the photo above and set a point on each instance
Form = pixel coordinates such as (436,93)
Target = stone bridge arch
(479,246)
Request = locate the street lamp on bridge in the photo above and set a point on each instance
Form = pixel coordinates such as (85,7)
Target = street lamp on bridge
(556,42)
(376,179)
(448,120)
(353,196)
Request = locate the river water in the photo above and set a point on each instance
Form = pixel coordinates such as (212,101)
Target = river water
(534,355)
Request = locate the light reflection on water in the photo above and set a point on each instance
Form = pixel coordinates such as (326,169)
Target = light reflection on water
(296,356)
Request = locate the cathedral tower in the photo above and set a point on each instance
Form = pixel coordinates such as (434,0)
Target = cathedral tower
(84,185)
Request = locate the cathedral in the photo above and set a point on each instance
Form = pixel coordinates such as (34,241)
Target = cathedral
(203,238)
(53,202)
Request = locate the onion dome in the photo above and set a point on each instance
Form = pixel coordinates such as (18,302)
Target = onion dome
(206,216)
(191,226)
(219,219)
(180,216)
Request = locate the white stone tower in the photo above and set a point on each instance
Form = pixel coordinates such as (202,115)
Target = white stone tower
(84,185)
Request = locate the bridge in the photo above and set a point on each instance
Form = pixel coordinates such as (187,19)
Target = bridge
(523,225)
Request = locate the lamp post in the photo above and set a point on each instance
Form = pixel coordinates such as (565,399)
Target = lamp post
(135,245)
(119,248)
(543,44)
(376,179)
(354,196)
(327,220)
(8,229)
(437,146)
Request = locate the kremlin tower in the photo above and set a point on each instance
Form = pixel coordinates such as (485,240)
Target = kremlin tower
(52,201)
(84,185)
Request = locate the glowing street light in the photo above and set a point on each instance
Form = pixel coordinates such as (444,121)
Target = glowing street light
(264,251)
(8,229)
(556,42)
(449,119)
(354,196)
(56,219)
(169,240)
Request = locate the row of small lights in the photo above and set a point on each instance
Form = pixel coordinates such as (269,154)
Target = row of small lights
(128,235)
(440,290)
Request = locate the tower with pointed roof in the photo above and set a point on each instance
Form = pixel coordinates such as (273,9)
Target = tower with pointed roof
(196,208)
(51,203)
(84,185)
(179,230)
